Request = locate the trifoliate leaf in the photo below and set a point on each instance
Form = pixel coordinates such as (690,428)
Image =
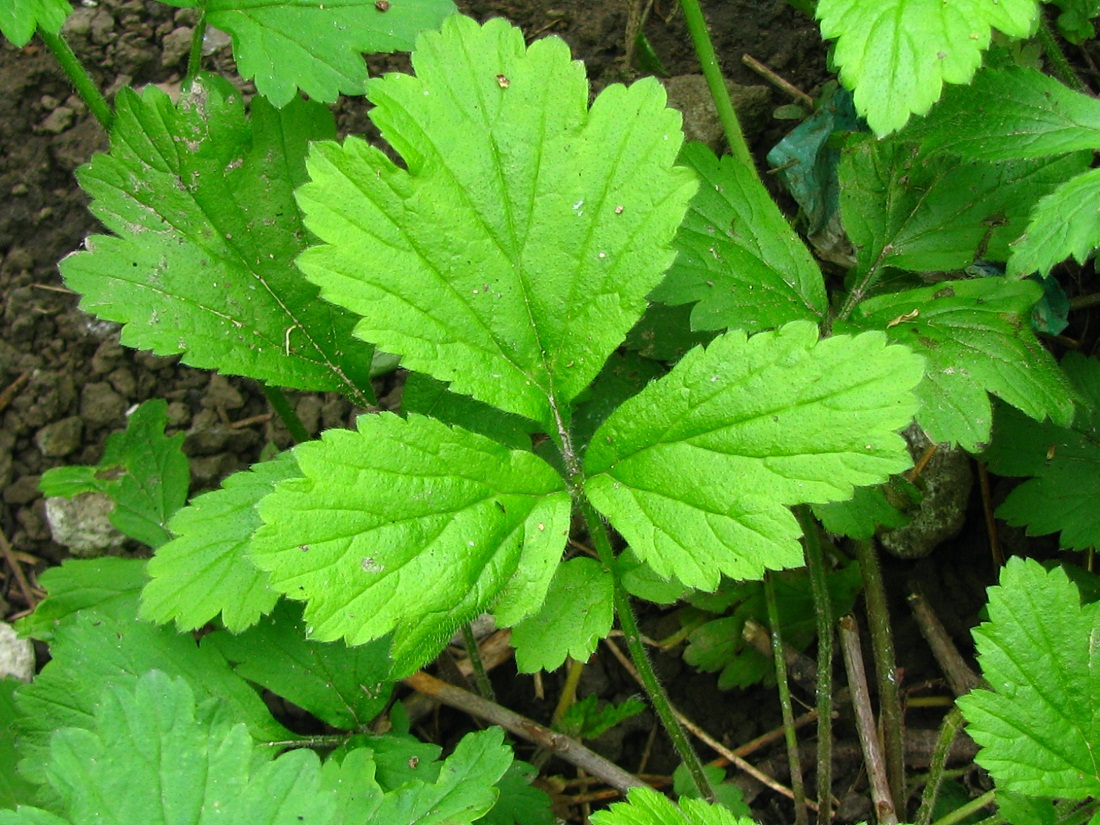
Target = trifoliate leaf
(909,208)
(1064,463)
(343,687)
(756,424)
(13,788)
(644,806)
(577,613)
(94,650)
(896,54)
(410,518)
(1011,113)
(516,248)
(737,255)
(977,339)
(301,44)
(206,231)
(205,570)
(20,18)
(1064,223)
(109,585)
(1039,726)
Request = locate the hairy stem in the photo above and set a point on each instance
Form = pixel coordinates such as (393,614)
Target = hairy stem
(1057,57)
(282,408)
(952,723)
(79,77)
(194,57)
(823,613)
(704,49)
(974,805)
(481,678)
(800,815)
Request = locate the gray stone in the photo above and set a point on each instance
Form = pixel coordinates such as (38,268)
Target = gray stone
(176,46)
(82,524)
(221,393)
(690,95)
(57,121)
(100,405)
(61,437)
(309,413)
(16,655)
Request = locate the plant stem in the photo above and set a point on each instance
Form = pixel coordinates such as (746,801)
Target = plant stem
(640,656)
(79,77)
(1057,57)
(568,691)
(951,725)
(194,58)
(966,810)
(882,643)
(704,49)
(800,815)
(823,613)
(481,678)
(282,408)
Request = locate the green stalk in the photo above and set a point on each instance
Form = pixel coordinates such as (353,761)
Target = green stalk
(481,678)
(79,77)
(951,725)
(961,813)
(194,58)
(882,643)
(1057,57)
(801,816)
(638,653)
(823,613)
(283,409)
(704,49)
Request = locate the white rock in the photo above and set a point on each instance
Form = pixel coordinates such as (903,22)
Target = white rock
(16,655)
(81,524)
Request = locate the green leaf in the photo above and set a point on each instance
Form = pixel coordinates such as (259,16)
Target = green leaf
(300,44)
(205,570)
(587,719)
(564,216)
(896,54)
(1039,726)
(1064,463)
(70,481)
(756,424)
(108,585)
(20,18)
(427,396)
(861,515)
(1075,21)
(13,788)
(411,518)
(30,816)
(520,802)
(737,255)
(909,208)
(94,650)
(1011,113)
(1063,223)
(726,794)
(644,806)
(977,339)
(343,687)
(201,203)
(577,613)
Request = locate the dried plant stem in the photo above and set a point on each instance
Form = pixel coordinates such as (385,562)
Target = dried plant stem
(960,677)
(823,615)
(568,749)
(568,690)
(882,643)
(17,571)
(885,812)
(800,815)
(952,723)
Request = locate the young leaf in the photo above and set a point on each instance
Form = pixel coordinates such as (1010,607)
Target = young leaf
(20,18)
(200,199)
(644,806)
(737,255)
(577,613)
(977,339)
(897,54)
(205,571)
(756,424)
(1063,223)
(906,207)
(300,44)
(1075,21)
(588,719)
(527,230)
(411,517)
(1064,463)
(109,585)
(1039,727)
(343,687)
(1011,113)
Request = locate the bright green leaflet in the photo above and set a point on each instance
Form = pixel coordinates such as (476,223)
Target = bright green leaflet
(738,256)
(200,200)
(896,54)
(977,339)
(411,518)
(644,806)
(1039,727)
(300,44)
(20,18)
(1064,463)
(13,788)
(517,248)
(577,613)
(908,208)
(756,424)
(95,651)
(145,474)
(205,571)
(1012,113)
(108,584)
(343,687)
(426,396)
(1064,223)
